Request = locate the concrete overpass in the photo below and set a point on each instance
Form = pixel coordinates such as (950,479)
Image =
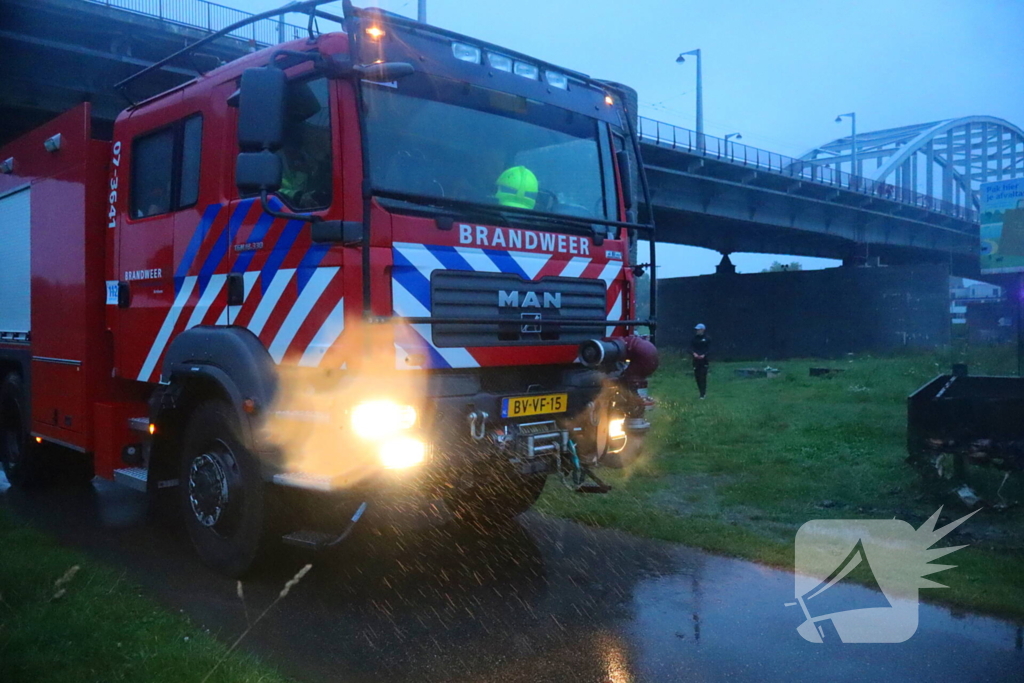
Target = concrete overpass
(707,192)
(734,198)
(58,53)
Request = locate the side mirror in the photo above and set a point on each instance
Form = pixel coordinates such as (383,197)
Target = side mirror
(258,172)
(261,109)
(625,177)
(385,72)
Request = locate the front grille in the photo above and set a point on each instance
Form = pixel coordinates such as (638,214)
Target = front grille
(546,310)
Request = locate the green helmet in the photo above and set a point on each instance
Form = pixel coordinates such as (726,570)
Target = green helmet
(517,187)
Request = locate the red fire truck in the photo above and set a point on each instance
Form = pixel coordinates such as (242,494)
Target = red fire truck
(389,261)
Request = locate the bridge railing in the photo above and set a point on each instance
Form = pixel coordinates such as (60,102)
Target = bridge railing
(675,137)
(210,16)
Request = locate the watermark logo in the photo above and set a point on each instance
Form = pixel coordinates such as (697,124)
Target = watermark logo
(857,580)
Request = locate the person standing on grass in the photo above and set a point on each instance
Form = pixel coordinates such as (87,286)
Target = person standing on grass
(699,346)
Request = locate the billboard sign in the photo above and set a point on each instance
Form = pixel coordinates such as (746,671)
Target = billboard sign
(1002,226)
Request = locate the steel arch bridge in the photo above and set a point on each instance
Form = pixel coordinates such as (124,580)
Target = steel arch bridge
(943,159)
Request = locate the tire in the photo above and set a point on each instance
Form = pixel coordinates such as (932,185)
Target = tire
(22,459)
(71,467)
(223,495)
(498,500)
(627,456)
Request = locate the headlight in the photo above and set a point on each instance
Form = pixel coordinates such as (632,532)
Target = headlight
(616,434)
(557,80)
(467,53)
(499,62)
(377,419)
(402,452)
(526,70)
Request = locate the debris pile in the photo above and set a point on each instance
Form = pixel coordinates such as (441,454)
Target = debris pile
(751,373)
(1001,454)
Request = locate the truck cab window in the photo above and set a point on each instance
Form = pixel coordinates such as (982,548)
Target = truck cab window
(306,153)
(152,165)
(192,139)
(436,137)
(165,168)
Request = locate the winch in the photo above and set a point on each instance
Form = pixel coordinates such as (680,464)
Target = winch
(544,446)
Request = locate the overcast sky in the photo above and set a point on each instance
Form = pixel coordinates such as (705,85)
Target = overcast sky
(777,71)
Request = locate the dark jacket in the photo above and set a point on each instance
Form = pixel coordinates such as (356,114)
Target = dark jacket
(700,344)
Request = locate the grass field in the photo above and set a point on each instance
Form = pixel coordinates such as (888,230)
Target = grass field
(740,472)
(736,474)
(91,625)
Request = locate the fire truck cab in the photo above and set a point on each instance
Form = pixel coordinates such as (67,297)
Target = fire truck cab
(384,262)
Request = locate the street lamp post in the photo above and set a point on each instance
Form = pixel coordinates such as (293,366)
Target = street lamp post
(738,136)
(421,11)
(853,140)
(700,96)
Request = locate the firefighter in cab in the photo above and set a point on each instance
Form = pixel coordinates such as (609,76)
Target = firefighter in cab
(517,187)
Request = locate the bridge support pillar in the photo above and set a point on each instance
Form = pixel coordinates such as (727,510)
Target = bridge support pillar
(725,266)
(858,256)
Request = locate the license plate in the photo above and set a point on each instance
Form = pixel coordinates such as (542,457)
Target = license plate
(540,404)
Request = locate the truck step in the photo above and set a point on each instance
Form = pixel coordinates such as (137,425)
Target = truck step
(304,480)
(311,540)
(318,540)
(132,477)
(139,424)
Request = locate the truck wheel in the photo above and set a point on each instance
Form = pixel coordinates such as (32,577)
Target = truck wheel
(223,494)
(71,467)
(21,458)
(627,456)
(499,499)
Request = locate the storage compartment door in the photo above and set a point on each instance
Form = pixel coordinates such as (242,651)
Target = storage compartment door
(15,275)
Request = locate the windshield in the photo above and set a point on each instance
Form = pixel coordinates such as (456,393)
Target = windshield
(439,138)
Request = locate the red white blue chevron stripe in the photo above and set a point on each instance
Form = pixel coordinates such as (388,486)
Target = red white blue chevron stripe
(294,291)
(414,263)
(293,301)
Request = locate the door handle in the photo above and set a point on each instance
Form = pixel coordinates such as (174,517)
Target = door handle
(124,294)
(236,289)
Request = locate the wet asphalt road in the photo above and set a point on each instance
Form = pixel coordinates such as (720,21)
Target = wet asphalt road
(542,600)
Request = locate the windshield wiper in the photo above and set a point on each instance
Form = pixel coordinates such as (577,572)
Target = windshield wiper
(585,226)
(431,206)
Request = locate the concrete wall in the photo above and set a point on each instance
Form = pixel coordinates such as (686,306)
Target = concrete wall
(818,313)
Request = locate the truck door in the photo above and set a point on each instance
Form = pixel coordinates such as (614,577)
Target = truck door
(291,286)
(164,296)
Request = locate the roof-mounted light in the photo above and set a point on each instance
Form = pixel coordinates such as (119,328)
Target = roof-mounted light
(526,70)
(375,32)
(608,100)
(466,53)
(499,62)
(556,80)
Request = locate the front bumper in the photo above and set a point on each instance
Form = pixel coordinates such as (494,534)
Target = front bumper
(461,423)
